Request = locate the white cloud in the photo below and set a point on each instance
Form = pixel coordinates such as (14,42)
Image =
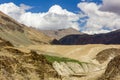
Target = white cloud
(111,6)
(99,21)
(55,18)
(12,10)
(25,7)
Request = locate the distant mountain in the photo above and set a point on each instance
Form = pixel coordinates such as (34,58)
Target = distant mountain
(57,34)
(19,34)
(107,38)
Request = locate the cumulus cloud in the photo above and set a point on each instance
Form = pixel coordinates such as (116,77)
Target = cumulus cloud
(12,10)
(25,7)
(93,18)
(55,18)
(99,21)
(111,6)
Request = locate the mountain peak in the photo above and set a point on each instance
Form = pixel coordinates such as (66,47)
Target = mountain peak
(57,34)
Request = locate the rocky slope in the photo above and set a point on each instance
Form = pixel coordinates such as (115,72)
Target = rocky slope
(71,67)
(113,70)
(107,54)
(19,34)
(31,69)
(108,38)
(20,65)
(33,64)
(58,34)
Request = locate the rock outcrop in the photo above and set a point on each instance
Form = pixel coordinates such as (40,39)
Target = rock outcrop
(107,54)
(113,70)
(18,65)
(74,69)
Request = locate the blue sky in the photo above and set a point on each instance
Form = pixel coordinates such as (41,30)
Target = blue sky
(88,16)
(44,5)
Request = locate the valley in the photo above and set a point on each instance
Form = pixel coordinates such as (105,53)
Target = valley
(27,53)
(79,52)
(55,62)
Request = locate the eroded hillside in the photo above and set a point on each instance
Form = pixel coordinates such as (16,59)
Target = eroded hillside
(113,70)
(107,54)
(19,34)
(17,65)
(37,63)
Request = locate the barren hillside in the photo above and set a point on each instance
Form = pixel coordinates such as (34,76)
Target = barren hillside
(21,64)
(51,62)
(113,70)
(19,34)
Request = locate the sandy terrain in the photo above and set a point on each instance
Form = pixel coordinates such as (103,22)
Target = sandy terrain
(79,52)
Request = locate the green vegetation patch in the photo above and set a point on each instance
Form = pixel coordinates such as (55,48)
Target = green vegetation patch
(52,59)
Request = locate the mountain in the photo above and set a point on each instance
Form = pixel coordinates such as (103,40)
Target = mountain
(57,34)
(19,34)
(107,38)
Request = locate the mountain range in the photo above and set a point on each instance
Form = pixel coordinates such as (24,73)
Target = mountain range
(106,38)
(60,33)
(18,34)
